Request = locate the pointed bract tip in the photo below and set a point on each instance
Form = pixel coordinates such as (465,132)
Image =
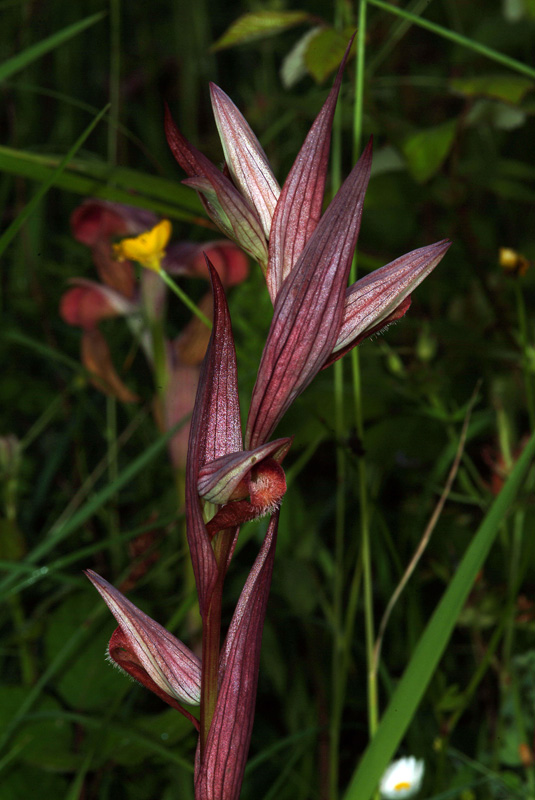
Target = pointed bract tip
(155,653)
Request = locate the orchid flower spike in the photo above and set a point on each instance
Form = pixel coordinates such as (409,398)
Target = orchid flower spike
(306,256)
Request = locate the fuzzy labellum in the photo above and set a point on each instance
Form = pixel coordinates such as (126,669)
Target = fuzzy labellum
(265,485)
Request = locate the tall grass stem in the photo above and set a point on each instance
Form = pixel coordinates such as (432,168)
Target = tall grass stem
(115,79)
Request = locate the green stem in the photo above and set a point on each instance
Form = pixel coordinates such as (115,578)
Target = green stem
(339,644)
(41,422)
(113,472)
(358,112)
(337,695)
(469,692)
(457,38)
(188,302)
(115,78)
(525,343)
(26,658)
(373,715)
(159,354)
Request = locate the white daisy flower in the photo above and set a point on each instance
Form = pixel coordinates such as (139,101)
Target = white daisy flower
(402,779)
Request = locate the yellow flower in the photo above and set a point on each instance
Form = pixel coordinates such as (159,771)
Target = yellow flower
(148,248)
(512,262)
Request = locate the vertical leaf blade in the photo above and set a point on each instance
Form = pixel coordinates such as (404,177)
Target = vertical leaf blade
(434,640)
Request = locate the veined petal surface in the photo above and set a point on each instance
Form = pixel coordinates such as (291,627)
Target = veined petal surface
(309,308)
(299,207)
(245,158)
(215,431)
(167,661)
(373,298)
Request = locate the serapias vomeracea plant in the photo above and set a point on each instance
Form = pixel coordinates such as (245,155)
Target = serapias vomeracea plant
(306,259)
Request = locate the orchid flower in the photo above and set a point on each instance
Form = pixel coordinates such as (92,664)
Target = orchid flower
(306,258)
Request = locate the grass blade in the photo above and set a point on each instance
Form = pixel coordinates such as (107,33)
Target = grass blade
(35,51)
(434,640)
(70,526)
(19,221)
(457,38)
(120,184)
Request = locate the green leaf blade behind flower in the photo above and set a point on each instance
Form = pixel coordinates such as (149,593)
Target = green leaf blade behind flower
(425,150)
(326,50)
(94,178)
(28,210)
(258,25)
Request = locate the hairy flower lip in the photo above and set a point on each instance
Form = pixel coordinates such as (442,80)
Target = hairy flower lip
(219,478)
(166,660)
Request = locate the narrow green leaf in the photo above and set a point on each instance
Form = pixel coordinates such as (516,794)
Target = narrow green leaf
(257,25)
(41,348)
(35,51)
(97,179)
(19,221)
(426,150)
(434,640)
